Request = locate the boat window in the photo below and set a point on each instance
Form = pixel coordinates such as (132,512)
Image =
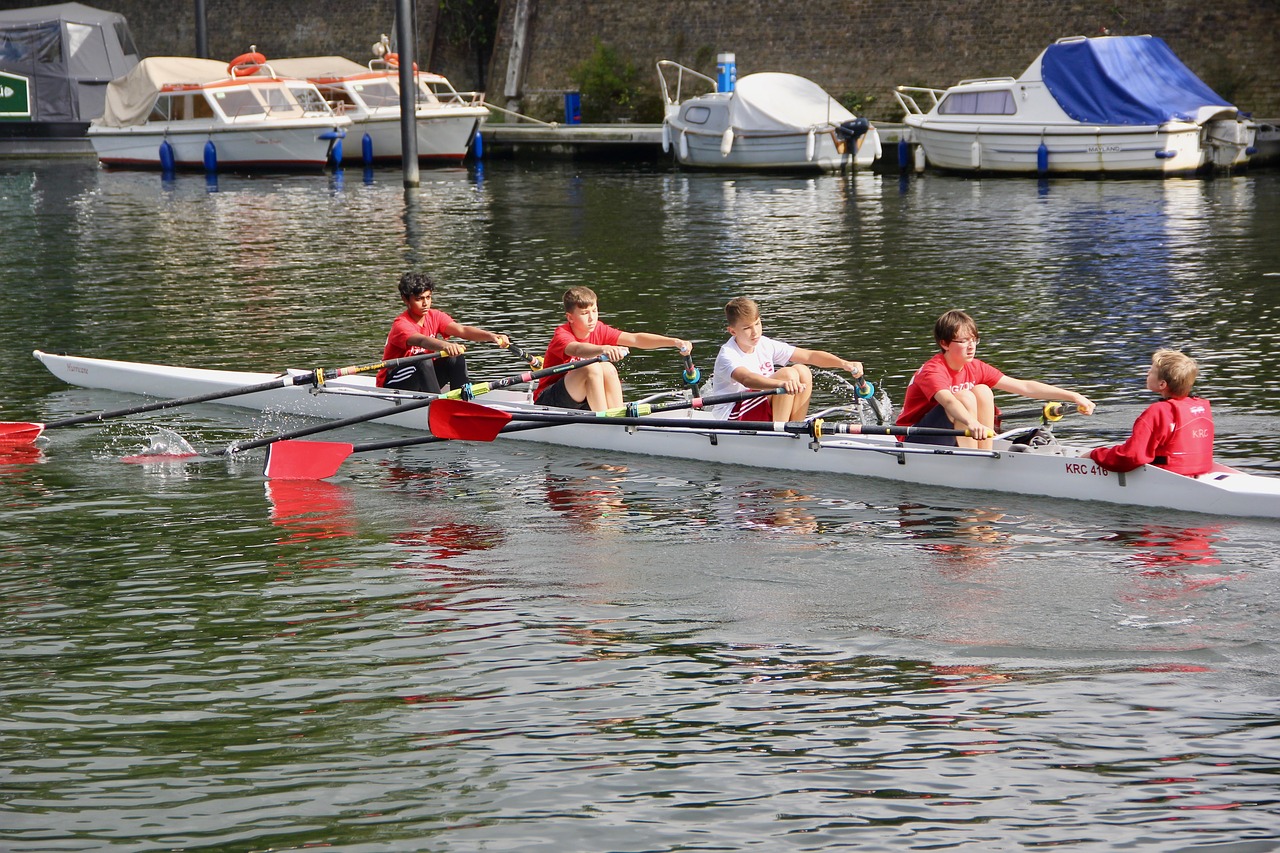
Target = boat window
(41,43)
(88,48)
(697,115)
(279,100)
(378,94)
(238,103)
(161,109)
(310,99)
(997,103)
(126,40)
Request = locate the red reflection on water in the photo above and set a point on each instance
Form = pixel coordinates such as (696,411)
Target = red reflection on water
(20,454)
(310,509)
(1161,547)
(589,501)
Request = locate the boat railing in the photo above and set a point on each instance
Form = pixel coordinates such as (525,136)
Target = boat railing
(666,67)
(905,96)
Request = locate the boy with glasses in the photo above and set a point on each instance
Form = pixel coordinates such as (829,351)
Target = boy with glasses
(953,390)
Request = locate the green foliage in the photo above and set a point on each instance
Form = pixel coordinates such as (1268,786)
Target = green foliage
(611,90)
(857,103)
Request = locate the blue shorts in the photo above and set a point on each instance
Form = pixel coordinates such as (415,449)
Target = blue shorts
(938,419)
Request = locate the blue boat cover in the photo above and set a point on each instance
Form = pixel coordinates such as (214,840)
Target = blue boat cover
(1124,80)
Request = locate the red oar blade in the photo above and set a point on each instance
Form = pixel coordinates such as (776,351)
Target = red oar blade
(458,419)
(19,432)
(305,460)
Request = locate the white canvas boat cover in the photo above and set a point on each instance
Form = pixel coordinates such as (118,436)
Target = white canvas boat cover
(311,67)
(774,101)
(130,98)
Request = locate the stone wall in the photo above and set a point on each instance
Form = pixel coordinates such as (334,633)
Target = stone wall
(847,46)
(865,48)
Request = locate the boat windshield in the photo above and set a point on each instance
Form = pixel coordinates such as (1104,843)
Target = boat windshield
(997,103)
(379,93)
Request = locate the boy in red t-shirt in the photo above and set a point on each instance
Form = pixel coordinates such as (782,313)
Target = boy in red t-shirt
(953,390)
(595,387)
(420,329)
(1175,433)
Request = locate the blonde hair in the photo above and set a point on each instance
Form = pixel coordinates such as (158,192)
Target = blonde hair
(1177,370)
(578,297)
(740,309)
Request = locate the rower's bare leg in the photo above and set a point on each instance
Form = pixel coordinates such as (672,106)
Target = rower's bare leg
(986,403)
(597,383)
(793,407)
(969,400)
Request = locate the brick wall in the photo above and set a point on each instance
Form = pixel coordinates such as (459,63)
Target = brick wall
(855,46)
(847,46)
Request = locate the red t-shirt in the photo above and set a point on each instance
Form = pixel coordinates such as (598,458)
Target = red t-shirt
(1178,432)
(402,328)
(602,335)
(935,375)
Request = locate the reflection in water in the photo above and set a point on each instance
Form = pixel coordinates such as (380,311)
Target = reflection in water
(775,509)
(591,502)
(308,510)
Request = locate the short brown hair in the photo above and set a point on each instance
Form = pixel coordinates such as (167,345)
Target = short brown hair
(1178,370)
(579,297)
(952,323)
(740,309)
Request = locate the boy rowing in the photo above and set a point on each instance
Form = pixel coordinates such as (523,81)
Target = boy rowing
(1175,433)
(421,329)
(597,386)
(953,390)
(750,361)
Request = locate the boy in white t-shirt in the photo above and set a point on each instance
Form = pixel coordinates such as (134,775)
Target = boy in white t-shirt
(749,361)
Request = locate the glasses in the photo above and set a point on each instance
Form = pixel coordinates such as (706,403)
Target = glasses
(964,342)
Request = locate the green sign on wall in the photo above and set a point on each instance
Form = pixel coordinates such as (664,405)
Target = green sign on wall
(15,96)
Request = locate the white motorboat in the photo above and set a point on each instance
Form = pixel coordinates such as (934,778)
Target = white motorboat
(179,112)
(1053,470)
(1108,105)
(447,120)
(769,121)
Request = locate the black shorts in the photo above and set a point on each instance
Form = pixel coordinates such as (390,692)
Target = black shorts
(936,418)
(557,395)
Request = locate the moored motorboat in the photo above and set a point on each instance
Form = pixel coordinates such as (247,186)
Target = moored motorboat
(1052,470)
(1107,105)
(768,120)
(446,120)
(179,112)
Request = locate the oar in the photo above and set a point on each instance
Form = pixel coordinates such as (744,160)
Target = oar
(466,392)
(25,433)
(1049,413)
(458,419)
(864,390)
(691,376)
(317,460)
(534,361)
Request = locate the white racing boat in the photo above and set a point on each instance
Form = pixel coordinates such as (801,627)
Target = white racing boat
(1056,471)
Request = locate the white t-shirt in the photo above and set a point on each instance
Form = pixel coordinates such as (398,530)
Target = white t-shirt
(767,357)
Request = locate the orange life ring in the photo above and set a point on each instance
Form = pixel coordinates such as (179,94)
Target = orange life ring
(246,64)
(393,59)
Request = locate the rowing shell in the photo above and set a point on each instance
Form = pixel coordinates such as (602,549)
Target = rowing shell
(1057,471)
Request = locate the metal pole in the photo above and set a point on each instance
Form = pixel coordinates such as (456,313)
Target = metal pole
(202,31)
(408,93)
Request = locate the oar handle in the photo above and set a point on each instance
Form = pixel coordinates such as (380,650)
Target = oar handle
(319,377)
(472,390)
(534,361)
(691,376)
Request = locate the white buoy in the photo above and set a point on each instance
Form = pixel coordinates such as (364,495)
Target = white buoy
(726,143)
(666,137)
(919,158)
(809,145)
(684,147)
(975,154)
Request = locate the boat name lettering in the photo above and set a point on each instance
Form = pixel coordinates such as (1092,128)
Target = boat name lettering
(1086,468)
(1104,149)
(75,368)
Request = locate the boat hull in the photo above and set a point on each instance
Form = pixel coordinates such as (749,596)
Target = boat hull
(1054,472)
(443,136)
(1013,149)
(300,145)
(791,152)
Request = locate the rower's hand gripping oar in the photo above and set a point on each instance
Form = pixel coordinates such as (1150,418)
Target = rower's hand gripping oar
(25,433)
(691,376)
(317,460)
(466,392)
